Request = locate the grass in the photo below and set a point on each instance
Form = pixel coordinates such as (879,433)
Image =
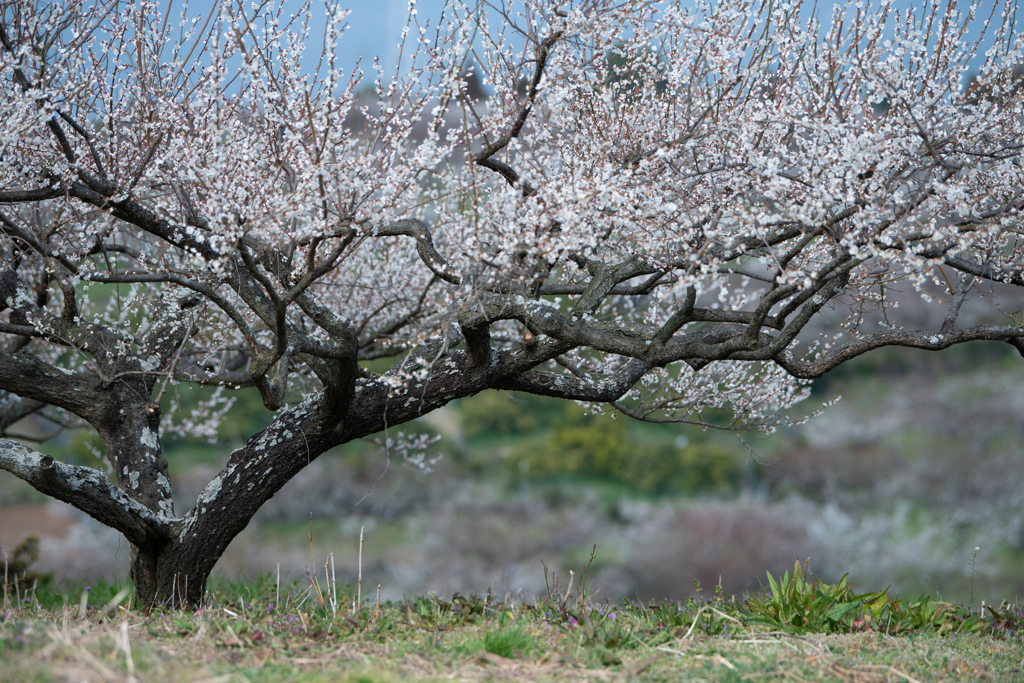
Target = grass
(258,631)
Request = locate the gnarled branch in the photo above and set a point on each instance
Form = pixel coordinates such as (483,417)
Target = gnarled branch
(86,489)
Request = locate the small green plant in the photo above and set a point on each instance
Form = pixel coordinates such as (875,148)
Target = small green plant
(1007,620)
(795,604)
(510,642)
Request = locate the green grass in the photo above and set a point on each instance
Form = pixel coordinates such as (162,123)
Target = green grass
(256,631)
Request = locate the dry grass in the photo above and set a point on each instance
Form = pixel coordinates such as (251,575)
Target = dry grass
(260,635)
(137,648)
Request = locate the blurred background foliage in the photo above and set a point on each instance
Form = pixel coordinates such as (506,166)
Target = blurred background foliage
(607,448)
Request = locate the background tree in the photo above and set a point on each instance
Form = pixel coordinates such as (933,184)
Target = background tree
(181,204)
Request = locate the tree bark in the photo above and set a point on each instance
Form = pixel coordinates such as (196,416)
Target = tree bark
(173,574)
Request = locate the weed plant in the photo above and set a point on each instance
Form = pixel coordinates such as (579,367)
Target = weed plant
(796,604)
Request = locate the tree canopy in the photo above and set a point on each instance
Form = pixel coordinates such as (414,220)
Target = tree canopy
(675,210)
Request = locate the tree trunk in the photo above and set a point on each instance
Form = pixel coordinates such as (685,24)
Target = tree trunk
(170,576)
(172,557)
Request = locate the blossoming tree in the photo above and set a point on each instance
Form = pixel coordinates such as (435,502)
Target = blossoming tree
(664,208)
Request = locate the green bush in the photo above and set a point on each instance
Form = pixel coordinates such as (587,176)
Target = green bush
(709,469)
(495,412)
(599,447)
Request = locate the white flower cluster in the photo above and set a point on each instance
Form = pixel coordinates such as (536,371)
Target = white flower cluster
(758,161)
(412,448)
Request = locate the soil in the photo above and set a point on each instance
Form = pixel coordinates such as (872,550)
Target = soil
(45,520)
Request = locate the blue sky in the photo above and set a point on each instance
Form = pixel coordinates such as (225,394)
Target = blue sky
(375,26)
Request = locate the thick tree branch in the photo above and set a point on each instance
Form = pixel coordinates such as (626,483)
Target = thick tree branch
(475,329)
(566,386)
(40,194)
(717,342)
(29,377)
(417,229)
(677,319)
(824,291)
(929,341)
(14,408)
(985,271)
(108,196)
(604,280)
(87,490)
(963,286)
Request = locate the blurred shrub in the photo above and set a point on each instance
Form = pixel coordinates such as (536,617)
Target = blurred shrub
(85,448)
(496,412)
(599,447)
(18,567)
(709,469)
